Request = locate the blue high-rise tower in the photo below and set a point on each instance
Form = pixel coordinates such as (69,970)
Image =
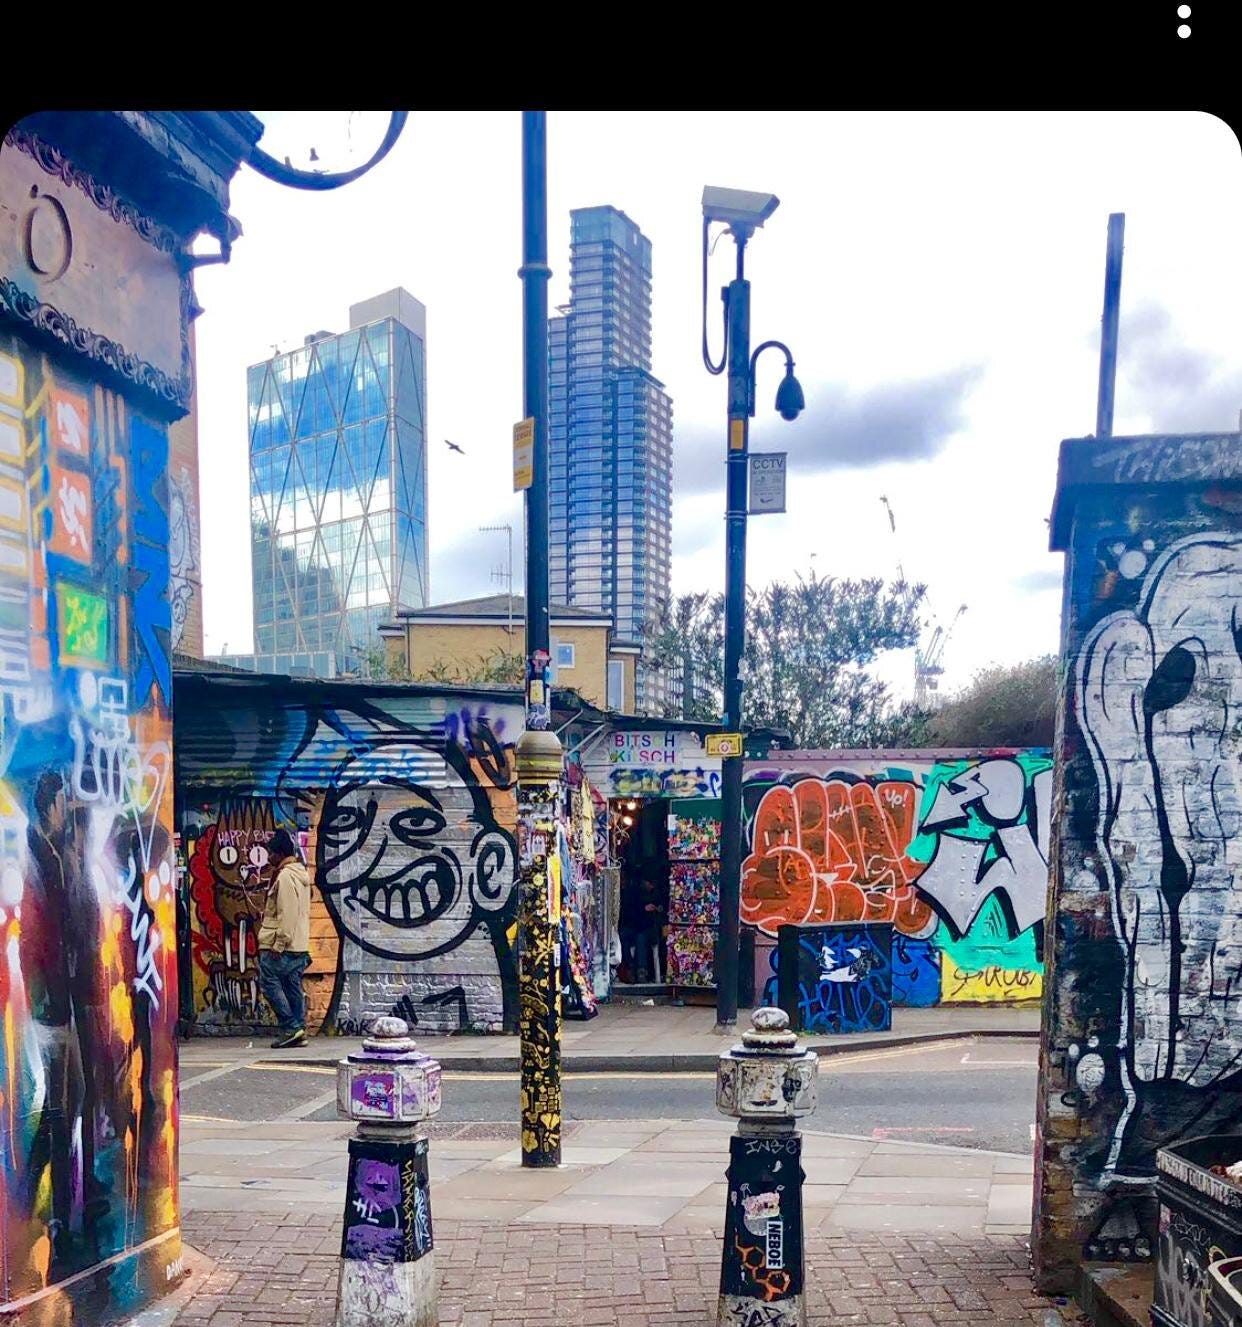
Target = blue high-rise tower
(338,485)
(610,433)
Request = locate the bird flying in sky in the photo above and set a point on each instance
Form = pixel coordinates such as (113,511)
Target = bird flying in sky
(454,447)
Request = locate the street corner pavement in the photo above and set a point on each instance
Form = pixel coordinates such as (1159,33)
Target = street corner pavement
(277,1268)
(626,1233)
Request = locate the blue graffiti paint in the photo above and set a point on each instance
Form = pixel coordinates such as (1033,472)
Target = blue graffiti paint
(916,972)
(152,611)
(837,978)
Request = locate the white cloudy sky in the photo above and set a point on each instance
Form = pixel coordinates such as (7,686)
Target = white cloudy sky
(938,277)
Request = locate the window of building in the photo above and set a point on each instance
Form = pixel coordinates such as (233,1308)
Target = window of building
(616,684)
(564,654)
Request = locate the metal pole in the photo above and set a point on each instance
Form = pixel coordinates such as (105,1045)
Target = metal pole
(726,957)
(539,756)
(509,564)
(1108,325)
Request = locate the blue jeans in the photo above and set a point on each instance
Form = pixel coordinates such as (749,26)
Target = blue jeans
(280,980)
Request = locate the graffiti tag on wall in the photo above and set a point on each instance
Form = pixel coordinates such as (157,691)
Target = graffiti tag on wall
(953,854)
(1154,1053)
(88,990)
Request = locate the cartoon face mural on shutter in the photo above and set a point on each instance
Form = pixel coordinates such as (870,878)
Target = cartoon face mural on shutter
(408,870)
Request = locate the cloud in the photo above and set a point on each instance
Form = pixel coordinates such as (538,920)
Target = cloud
(1179,389)
(1038,582)
(843,429)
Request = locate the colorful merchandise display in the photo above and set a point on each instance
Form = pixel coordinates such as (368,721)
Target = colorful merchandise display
(694,890)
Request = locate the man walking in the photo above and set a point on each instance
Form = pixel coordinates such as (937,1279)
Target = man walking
(284,940)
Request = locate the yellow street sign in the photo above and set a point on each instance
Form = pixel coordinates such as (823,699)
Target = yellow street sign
(724,744)
(523,455)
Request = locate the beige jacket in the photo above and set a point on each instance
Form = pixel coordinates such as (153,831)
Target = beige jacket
(286,915)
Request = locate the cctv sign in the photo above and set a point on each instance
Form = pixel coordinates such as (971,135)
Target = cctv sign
(767,482)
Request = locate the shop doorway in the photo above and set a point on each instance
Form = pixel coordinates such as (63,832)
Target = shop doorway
(640,849)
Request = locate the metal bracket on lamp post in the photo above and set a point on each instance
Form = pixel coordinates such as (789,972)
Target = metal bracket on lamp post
(294,178)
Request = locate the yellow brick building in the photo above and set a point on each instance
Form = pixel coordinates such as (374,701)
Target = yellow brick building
(459,640)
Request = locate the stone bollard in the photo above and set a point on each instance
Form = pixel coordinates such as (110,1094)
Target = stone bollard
(388,1274)
(765,1084)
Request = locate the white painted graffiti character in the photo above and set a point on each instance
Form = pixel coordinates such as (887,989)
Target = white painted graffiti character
(414,867)
(1158,697)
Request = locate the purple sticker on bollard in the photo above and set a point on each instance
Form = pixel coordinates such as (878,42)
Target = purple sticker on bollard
(374,1096)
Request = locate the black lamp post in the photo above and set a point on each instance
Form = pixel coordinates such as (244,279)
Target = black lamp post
(743,213)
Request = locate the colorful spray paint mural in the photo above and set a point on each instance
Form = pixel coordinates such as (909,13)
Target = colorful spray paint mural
(951,851)
(88,983)
(406,806)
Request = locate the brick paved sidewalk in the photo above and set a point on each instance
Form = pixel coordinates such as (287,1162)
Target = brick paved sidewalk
(279,1269)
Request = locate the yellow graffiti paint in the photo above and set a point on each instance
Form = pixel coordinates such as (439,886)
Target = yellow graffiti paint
(10,1062)
(121,1011)
(41,1257)
(990,985)
(43,1194)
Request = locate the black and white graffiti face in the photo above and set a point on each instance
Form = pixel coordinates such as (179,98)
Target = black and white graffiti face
(409,869)
(1159,697)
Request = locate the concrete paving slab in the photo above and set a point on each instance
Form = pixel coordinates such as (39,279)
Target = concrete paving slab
(1009,1204)
(959,1220)
(910,1164)
(665,1180)
(581,1209)
(570,1156)
(478,1209)
(514,1185)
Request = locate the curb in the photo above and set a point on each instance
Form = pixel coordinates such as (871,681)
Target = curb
(693,1062)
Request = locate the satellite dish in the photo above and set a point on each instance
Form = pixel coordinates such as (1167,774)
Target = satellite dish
(322,150)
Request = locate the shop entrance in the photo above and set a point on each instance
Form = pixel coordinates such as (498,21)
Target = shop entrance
(640,849)
(667,851)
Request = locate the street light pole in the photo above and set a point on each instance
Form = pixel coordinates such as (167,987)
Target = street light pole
(539,755)
(743,213)
(738,345)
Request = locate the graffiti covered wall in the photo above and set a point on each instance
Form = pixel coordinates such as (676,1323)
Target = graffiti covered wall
(88,989)
(949,848)
(1143,1022)
(405,805)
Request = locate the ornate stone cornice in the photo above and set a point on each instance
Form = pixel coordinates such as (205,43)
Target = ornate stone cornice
(54,162)
(168,397)
(107,358)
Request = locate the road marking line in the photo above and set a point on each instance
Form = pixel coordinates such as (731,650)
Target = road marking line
(306,1108)
(209,1075)
(209,1119)
(921,1128)
(1004,1064)
(265,1066)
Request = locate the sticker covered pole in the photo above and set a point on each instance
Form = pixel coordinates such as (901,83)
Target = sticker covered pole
(388,1271)
(539,755)
(766,1083)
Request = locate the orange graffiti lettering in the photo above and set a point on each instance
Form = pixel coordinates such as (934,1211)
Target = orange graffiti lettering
(828,850)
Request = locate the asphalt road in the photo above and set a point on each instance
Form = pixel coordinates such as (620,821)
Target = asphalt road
(978,1093)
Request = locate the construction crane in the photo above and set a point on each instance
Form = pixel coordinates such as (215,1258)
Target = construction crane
(927,667)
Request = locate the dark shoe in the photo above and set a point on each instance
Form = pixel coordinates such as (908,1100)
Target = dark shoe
(289,1040)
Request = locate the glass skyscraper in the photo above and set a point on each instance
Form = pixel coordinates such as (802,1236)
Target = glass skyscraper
(610,433)
(338,482)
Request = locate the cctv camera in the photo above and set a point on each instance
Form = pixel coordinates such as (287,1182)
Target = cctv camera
(738,207)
